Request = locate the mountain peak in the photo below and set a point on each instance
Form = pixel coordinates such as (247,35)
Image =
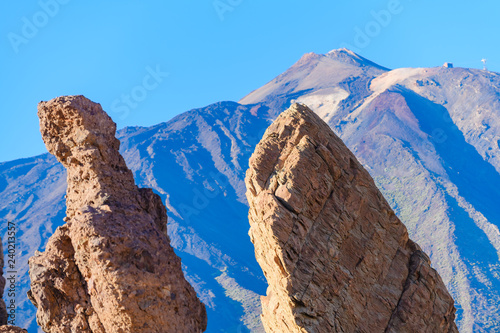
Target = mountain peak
(348,56)
(343,50)
(316,71)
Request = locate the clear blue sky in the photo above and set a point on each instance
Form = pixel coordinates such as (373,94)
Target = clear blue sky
(212,50)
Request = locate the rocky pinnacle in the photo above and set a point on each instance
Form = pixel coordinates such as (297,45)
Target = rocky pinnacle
(110,268)
(336,257)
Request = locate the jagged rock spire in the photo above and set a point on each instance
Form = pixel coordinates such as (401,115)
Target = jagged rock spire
(110,268)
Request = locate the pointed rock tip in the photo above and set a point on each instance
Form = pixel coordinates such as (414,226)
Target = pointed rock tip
(302,111)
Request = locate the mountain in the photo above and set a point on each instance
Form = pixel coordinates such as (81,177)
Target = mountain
(429,137)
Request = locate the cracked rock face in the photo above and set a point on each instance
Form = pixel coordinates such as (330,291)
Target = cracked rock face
(110,268)
(336,257)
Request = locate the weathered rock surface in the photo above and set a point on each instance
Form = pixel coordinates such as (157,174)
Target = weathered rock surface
(110,268)
(12,329)
(336,257)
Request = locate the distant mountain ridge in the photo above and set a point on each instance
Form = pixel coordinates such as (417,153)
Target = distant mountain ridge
(428,136)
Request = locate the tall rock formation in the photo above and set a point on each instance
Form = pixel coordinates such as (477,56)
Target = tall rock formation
(110,268)
(336,257)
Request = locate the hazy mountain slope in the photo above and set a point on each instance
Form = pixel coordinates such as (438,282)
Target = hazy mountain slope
(471,97)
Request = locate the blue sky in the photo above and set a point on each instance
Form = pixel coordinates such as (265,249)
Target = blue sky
(146,61)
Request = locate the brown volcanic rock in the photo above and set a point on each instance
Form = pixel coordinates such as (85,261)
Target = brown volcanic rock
(110,268)
(12,329)
(336,257)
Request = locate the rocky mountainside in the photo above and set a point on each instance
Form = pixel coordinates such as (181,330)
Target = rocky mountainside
(110,267)
(428,137)
(336,257)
